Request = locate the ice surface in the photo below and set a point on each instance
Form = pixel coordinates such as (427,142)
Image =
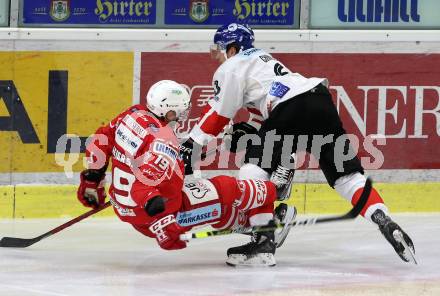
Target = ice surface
(108,257)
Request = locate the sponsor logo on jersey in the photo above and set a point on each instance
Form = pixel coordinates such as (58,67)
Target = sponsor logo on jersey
(200,215)
(122,211)
(164,149)
(158,227)
(134,126)
(153,127)
(199,10)
(200,191)
(278,89)
(153,174)
(60,10)
(127,140)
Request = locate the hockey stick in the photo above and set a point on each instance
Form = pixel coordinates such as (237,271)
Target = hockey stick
(15,242)
(353,213)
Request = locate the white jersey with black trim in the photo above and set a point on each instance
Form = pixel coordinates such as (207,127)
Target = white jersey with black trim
(252,79)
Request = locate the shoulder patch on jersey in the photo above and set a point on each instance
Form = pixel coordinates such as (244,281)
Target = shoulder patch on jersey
(278,89)
(265,58)
(199,215)
(200,191)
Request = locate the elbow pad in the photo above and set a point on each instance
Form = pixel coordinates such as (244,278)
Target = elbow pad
(155,206)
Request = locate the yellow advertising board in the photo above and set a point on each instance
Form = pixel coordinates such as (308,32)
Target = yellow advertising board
(44,95)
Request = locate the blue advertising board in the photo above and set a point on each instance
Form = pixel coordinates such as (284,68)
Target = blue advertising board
(88,13)
(257,13)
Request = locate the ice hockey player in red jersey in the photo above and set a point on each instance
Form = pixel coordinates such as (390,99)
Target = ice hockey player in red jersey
(287,105)
(148,188)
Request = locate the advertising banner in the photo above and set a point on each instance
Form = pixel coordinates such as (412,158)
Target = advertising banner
(4,13)
(65,13)
(51,100)
(393,95)
(373,14)
(258,13)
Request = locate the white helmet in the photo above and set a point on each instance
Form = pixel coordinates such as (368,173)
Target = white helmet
(168,95)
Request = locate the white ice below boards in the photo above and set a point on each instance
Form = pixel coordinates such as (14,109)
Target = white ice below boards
(107,257)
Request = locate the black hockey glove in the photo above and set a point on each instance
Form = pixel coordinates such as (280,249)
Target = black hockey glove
(238,130)
(186,152)
(155,206)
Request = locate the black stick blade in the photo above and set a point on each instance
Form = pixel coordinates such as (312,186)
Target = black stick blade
(13,242)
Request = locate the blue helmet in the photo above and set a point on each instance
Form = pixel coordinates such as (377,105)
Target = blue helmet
(241,34)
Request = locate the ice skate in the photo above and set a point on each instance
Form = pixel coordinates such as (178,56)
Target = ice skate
(284,214)
(282,177)
(259,252)
(400,241)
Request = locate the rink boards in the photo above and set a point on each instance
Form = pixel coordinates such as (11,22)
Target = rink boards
(53,101)
(58,82)
(58,201)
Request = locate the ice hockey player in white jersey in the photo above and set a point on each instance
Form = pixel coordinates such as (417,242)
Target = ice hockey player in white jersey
(283,105)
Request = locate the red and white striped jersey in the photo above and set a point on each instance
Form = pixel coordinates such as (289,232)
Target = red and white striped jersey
(145,163)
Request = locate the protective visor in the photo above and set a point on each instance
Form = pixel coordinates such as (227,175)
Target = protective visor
(216,49)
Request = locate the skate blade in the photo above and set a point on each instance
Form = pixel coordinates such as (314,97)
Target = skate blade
(259,260)
(408,253)
(281,236)
(287,195)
